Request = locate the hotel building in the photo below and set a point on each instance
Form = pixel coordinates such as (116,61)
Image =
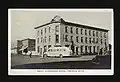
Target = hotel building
(80,38)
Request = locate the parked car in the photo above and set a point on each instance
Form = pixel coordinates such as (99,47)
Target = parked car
(58,52)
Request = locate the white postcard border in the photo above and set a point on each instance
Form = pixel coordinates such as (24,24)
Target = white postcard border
(59,71)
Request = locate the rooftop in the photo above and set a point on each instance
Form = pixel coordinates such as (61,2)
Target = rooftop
(27,39)
(58,19)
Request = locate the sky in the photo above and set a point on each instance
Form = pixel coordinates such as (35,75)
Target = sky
(23,22)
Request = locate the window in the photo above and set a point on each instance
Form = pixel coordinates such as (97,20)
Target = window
(86,39)
(81,49)
(81,31)
(49,29)
(66,29)
(97,49)
(93,40)
(37,40)
(104,35)
(41,39)
(38,33)
(57,29)
(38,49)
(89,40)
(89,32)
(82,39)
(63,37)
(66,45)
(86,49)
(85,32)
(57,49)
(45,39)
(45,30)
(49,46)
(57,38)
(90,48)
(49,38)
(34,49)
(94,49)
(100,34)
(97,40)
(71,38)
(101,41)
(66,38)
(96,33)
(93,33)
(77,39)
(71,30)
(60,49)
(45,48)
(76,30)
(41,32)
(105,41)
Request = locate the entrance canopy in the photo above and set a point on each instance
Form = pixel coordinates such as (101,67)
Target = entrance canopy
(23,47)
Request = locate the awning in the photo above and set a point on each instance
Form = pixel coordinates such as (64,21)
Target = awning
(24,47)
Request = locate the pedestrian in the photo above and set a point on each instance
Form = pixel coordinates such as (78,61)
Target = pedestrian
(30,54)
(96,60)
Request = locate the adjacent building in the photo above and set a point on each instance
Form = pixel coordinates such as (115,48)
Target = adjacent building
(28,44)
(82,39)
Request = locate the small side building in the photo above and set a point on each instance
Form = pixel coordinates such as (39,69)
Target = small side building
(28,44)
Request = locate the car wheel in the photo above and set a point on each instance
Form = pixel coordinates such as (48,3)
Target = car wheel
(61,56)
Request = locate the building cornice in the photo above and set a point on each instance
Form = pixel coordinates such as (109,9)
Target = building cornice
(72,24)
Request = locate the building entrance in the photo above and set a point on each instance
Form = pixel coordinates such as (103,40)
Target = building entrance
(90,49)
(76,50)
(85,49)
(72,48)
(94,49)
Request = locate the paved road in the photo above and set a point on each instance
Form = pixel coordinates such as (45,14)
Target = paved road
(84,62)
(18,60)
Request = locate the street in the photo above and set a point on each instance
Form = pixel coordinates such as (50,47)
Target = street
(19,61)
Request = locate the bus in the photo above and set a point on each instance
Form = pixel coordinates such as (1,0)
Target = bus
(58,52)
